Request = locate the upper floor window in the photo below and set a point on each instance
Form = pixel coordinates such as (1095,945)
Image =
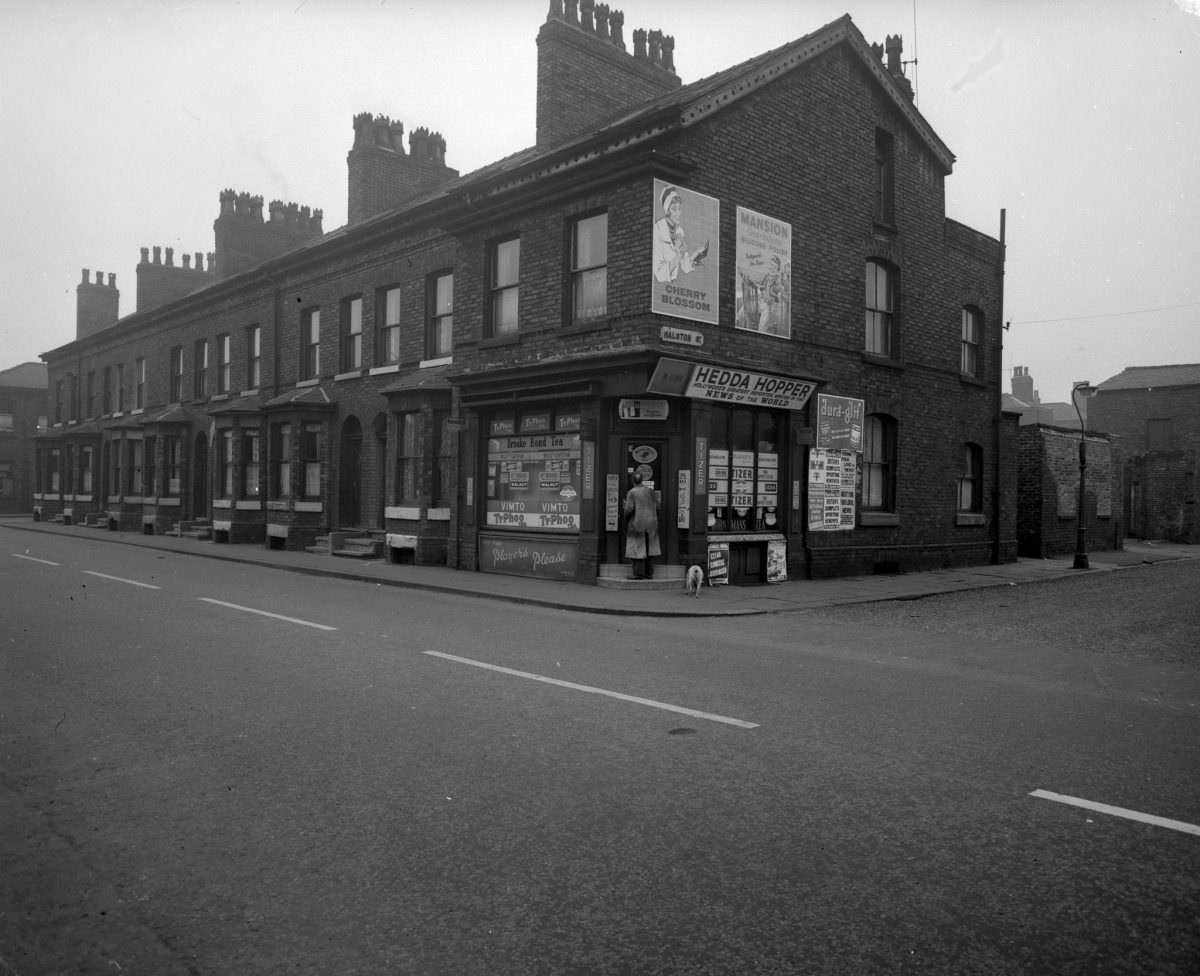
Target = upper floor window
(880,309)
(310,344)
(505,267)
(139,383)
(58,401)
(6,416)
(175,370)
(387,309)
(253,357)
(91,395)
(970,482)
(224,366)
(201,369)
(439,330)
(879,463)
(589,268)
(971,334)
(885,178)
(350,328)
(106,401)
(120,387)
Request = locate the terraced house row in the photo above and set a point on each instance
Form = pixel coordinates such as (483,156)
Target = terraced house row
(744,288)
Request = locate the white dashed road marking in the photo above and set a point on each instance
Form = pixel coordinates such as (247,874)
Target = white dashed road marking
(267,613)
(34,559)
(708,716)
(121,579)
(1147,818)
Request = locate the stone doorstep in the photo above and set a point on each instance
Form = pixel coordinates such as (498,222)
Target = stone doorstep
(618,576)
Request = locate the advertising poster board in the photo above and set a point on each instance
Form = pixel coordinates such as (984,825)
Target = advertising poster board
(840,422)
(763,287)
(832,478)
(718,563)
(686,269)
(776,561)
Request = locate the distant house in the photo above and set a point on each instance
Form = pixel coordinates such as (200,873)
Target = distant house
(1150,408)
(22,414)
(1026,401)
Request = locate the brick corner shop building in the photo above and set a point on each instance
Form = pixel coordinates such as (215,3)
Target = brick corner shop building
(745,288)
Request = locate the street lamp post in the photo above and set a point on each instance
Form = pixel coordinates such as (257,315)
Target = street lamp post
(1083,389)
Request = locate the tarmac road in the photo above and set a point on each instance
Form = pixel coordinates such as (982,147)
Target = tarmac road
(191,786)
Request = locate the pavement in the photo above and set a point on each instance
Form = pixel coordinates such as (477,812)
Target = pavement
(19,533)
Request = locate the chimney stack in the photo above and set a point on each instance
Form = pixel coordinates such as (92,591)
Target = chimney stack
(585,76)
(243,240)
(96,304)
(382,175)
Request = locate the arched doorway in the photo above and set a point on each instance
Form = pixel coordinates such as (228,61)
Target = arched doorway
(350,474)
(200,477)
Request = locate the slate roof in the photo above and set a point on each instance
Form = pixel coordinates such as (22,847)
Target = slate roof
(1152,377)
(31,376)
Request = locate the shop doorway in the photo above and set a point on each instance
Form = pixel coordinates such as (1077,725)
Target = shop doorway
(350,474)
(648,457)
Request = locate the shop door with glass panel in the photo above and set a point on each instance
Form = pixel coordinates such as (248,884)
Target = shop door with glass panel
(646,457)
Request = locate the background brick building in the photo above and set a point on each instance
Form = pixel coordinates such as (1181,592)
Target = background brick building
(470,371)
(1153,415)
(22,416)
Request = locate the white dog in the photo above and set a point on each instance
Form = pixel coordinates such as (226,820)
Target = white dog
(695,580)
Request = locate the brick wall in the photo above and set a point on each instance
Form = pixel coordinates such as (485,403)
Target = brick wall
(1048,492)
(1162,490)
(1124,413)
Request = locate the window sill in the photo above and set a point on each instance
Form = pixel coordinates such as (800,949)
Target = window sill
(437,361)
(875,359)
(966,379)
(508,339)
(878,519)
(384,370)
(585,325)
(352,374)
(301,384)
(970,518)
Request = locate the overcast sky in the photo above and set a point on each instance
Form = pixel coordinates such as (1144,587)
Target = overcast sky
(123,120)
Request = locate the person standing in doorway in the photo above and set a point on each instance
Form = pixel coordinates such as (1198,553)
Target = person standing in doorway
(641,530)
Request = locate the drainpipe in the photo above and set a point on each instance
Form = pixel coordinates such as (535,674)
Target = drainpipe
(997,504)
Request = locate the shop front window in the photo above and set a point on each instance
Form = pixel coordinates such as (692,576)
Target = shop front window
(743,471)
(534,471)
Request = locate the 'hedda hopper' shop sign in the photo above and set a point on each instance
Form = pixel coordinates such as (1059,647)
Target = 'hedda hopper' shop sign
(703,381)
